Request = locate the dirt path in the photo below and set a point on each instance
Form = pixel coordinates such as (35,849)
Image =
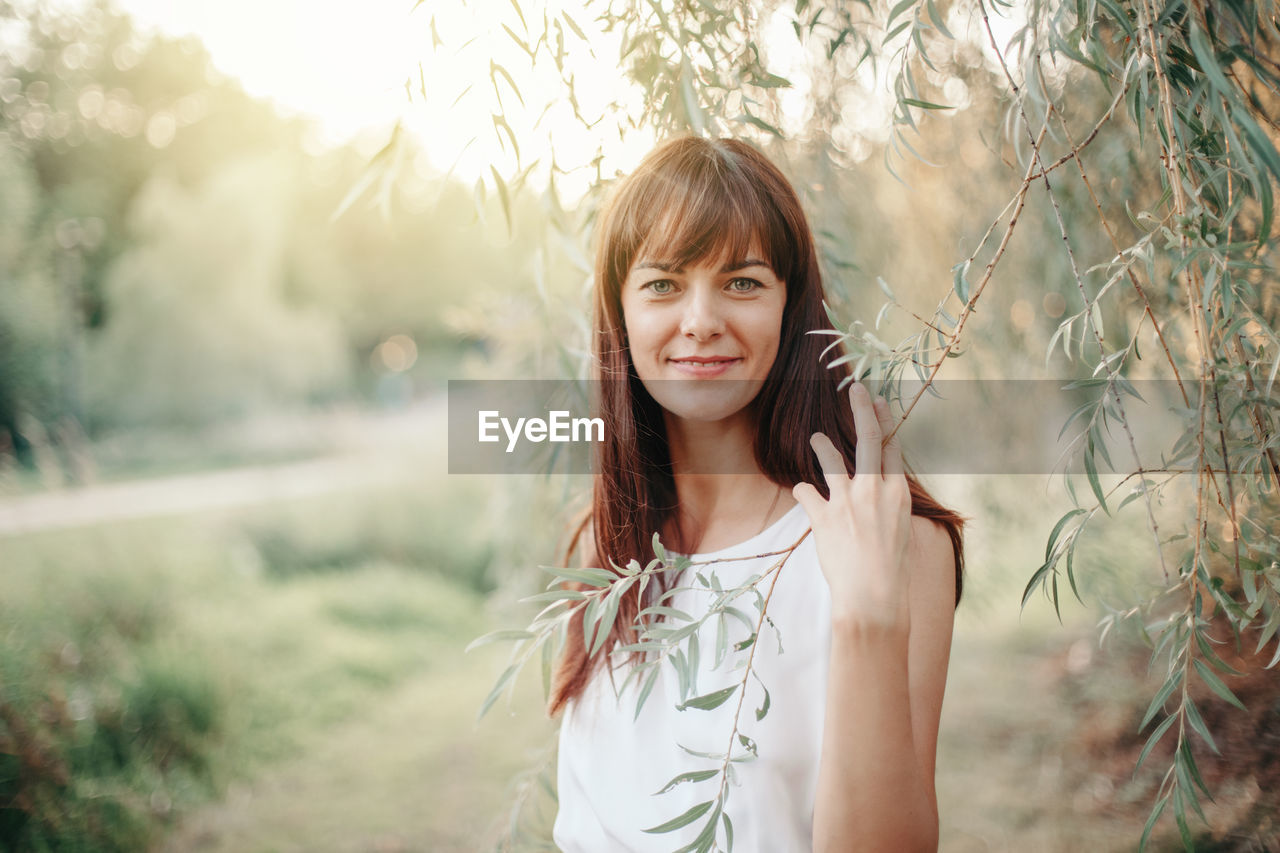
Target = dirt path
(371,449)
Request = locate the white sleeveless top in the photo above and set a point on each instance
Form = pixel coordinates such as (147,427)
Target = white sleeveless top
(611,765)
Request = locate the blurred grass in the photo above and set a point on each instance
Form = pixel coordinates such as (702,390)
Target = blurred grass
(147,664)
(291,677)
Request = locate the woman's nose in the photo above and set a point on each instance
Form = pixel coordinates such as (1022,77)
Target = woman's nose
(702,318)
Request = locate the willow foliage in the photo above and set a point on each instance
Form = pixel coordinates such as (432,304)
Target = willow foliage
(1193,88)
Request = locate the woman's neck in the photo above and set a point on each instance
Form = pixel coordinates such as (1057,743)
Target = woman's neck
(703,450)
(723,496)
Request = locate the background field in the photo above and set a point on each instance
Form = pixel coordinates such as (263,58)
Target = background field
(289,675)
(236,579)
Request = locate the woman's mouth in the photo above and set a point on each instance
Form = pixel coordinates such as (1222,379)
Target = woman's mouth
(704,366)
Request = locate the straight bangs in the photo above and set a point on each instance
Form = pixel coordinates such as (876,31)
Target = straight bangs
(697,208)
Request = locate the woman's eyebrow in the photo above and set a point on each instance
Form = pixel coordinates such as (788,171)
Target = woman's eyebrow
(661,266)
(734,266)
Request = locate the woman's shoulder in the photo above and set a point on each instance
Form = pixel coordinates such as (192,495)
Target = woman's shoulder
(932,559)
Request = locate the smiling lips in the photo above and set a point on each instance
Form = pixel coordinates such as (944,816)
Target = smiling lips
(704,366)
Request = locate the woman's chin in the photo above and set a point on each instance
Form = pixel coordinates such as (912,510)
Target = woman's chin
(704,401)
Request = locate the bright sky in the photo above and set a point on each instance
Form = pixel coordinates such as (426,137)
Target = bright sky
(345,64)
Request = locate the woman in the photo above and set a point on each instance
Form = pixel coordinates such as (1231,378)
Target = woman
(726,434)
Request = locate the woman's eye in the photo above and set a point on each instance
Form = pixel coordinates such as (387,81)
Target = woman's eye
(744,285)
(661,287)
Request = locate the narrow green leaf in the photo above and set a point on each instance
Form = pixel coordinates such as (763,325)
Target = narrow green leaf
(682,672)
(503,196)
(959,280)
(694,654)
(503,681)
(1189,761)
(1207,651)
(1209,61)
(495,70)
(1156,811)
(715,756)
(548,661)
(771,81)
(607,619)
(498,637)
(1153,740)
(925,105)
(1057,530)
(573,25)
(646,690)
(1037,579)
(658,550)
(683,820)
(1091,471)
(515,5)
(898,8)
(591,577)
(1216,684)
(756,121)
(708,701)
(663,610)
(590,619)
(1180,818)
(500,123)
(706,838)
(889,36)
(763,709)
(1119,17)
(691,776)
(937,20)
(1162,696)
(1197,724)
(554,595)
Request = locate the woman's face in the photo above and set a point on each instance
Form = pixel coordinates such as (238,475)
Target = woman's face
(704,337)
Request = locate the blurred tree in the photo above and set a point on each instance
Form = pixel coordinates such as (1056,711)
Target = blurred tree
(28,306)
(200,324)
(161,225)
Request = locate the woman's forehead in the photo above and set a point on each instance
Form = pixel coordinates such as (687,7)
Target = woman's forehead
(727,257)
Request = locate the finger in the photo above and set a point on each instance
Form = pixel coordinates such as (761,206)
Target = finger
(829,460)
(867,426)
(891,451)
(807,495)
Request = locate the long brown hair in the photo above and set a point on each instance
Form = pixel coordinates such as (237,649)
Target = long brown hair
(689,200)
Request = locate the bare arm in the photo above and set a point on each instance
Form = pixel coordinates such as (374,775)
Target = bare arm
(892,585)
(884,700)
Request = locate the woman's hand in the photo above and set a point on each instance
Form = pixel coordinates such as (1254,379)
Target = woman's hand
(863,529)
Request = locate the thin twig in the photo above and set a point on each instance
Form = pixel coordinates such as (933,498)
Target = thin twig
(1113,370)
(973,297)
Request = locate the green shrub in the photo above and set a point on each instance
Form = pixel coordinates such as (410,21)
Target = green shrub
(102,728)
(405,528)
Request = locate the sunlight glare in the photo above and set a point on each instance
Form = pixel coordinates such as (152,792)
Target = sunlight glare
(358,70)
